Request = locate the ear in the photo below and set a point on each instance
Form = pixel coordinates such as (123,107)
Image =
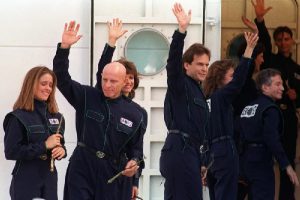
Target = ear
(265,88)
(186,65)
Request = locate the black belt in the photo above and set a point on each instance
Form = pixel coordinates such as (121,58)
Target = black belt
(99,154)
(218,139)
(195,142)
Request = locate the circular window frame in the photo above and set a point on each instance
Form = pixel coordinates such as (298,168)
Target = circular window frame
(140,31)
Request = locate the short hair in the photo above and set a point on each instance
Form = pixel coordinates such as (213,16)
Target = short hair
(215,75)
(264,77)
(26,97)
(195,49)
(130,69)
(280,30)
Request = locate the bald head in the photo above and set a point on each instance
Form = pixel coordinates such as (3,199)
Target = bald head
(113,79)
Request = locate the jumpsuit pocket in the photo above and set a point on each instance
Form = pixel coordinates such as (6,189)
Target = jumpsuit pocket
(37,133)
(121,128)
(200,102)
(95,116)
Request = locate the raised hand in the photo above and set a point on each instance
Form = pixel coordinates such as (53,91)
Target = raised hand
(115,31)
(183,19)
(251,39)
(260,9)
(70,35)
(250,24)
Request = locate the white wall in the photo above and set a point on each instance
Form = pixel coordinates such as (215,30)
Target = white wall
(30,31)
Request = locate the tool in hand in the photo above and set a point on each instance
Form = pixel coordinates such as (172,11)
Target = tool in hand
(52,165)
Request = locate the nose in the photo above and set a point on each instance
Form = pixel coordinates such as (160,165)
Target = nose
(49,88)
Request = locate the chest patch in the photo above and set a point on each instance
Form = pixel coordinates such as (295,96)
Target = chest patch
(126,122)
(54,121)
(249,111)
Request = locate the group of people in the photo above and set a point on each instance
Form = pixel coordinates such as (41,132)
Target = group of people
(224,122)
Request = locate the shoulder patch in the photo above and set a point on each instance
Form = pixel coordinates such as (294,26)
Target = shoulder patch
(249,111)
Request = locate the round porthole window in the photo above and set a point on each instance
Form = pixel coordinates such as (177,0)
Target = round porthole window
(149,50)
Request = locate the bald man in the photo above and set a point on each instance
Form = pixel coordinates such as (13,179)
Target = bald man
(110,129)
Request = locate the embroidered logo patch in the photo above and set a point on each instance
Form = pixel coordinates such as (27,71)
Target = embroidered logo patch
(126,122)
(249,111)
(54,121)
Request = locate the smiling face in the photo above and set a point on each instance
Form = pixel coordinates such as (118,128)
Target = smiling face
(43,87)
(198,68)
(284,42)
(275,89)
(129,84)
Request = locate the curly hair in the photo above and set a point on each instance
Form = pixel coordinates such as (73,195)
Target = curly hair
(215,75)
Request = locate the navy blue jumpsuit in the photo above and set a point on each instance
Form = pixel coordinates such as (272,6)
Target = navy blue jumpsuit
(24,141)
(223,175)
(261,124)
(105,59)
(290,73)
(109,133)
(186,117)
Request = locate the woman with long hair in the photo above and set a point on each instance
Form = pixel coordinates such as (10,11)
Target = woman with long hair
(221,86)
(34,137)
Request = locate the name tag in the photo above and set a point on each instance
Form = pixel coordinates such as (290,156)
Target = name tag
(54,121)
(126,122)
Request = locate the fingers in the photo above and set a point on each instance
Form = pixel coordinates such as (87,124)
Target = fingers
(58,153)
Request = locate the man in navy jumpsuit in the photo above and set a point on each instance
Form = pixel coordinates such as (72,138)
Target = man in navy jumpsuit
(261,124)
(186,115)
(110,130)
(290,73)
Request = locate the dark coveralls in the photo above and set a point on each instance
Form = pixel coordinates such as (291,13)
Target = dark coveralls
(105,59)
(186,117)
(223,174)
(290,73)
(24,141)
(261,124)
(109,133)
(246,96)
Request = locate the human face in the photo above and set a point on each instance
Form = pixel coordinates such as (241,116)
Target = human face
(274,90)
(258,61)
(112,82)
(228,76)
(197,70)
(129,84)
(44,87)
(284,42)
